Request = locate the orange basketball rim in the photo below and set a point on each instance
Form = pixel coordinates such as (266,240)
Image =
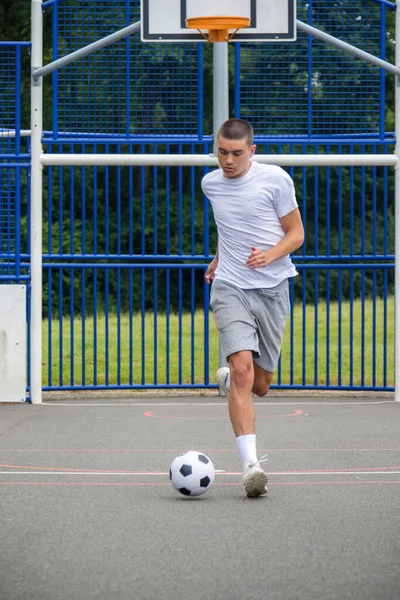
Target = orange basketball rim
(218,26)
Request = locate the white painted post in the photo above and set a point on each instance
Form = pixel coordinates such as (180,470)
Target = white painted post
(209,160)
(36,204)
(397,214)
(12,343)
(220,87)
(220,112)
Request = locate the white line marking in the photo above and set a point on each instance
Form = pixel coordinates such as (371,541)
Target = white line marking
(79,473)
(299,403)
(166,473)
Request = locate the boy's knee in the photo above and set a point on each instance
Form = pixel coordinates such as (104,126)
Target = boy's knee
(261,390)
(262,382)
(241,368)
(241,372)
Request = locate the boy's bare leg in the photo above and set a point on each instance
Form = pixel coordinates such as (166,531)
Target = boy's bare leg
(262,381)
(242,414)
(246,378)
(241,409)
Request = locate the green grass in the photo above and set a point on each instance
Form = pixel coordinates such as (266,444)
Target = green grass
(366,357)
(359,365)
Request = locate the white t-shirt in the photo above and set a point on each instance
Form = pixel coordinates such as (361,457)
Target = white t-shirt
(247,212)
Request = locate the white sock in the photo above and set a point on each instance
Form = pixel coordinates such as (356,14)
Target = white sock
(228,381)
(247,447)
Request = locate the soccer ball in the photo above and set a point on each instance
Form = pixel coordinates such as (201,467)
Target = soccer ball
(192,473)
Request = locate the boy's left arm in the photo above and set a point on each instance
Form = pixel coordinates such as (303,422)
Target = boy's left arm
(293,239)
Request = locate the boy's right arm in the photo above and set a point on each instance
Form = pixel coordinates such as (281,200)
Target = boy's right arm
(209,276)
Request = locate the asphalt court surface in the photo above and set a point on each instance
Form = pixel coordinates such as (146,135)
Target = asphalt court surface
(87,510)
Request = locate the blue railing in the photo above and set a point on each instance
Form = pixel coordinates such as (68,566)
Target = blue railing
(125,248)
(104,273)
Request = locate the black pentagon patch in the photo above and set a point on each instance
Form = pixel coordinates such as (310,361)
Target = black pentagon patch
(203,459)
(170,474)
(185,470)
(205,481)
(184,491)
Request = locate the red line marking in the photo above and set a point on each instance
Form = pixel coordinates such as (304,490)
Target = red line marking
(145,450)
(138,484)
(147,473)
(368,469)
(316,471)
(149,413)
(334,483)
(84,483)
(74,470)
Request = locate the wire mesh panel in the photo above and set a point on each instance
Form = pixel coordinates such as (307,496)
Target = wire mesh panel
(10,92)
(7,220)
(313,89)
(13,159)
(128,89)
(9,84)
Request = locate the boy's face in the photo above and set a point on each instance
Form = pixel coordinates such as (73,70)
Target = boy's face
(234,156)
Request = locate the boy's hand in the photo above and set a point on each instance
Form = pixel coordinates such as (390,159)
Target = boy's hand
(258,258)
(209,275)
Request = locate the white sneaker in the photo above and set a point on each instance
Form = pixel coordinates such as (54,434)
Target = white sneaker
(221,377)
(255,480)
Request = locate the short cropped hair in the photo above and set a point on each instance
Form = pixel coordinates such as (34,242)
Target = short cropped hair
(236,129)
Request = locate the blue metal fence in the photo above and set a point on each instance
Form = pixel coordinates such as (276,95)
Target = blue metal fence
(125,248)
(128,286)
(14,163)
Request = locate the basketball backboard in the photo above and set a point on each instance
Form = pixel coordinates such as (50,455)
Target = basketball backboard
(165,20)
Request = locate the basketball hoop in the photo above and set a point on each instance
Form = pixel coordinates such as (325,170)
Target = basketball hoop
(218,26)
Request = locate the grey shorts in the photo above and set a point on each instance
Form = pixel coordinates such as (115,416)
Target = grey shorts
(252,319)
